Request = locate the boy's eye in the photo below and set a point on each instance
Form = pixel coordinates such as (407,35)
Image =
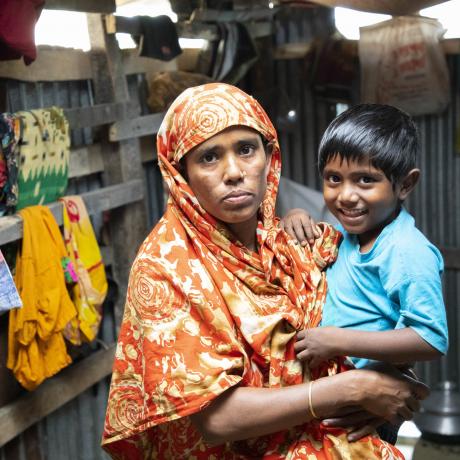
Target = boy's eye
(333,178)
(366,180)
(247,149)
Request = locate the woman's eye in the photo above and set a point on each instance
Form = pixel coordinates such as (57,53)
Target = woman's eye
(247,149)
(208,157)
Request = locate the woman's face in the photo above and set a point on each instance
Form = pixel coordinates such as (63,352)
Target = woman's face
(228,174)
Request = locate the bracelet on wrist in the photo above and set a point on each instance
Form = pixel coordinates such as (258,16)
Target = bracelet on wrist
(310,404)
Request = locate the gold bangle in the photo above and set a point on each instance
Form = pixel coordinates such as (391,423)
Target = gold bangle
(310,405)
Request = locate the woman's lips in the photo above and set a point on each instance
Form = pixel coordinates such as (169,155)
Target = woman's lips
(237,197)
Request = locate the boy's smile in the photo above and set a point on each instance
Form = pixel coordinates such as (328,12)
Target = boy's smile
(361,197)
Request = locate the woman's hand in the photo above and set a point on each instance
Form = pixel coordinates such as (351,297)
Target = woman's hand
(314,346)
(243,412)
(388,393)
(299,224)
(359,423)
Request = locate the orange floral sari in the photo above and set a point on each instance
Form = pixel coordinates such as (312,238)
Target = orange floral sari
(203,313)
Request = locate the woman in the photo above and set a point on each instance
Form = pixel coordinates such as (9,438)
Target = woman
(215,298)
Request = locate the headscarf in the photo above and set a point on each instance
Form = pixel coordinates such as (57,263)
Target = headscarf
(204,313)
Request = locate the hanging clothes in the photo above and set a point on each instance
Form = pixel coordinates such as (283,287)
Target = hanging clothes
(17,29)
(9,296)
(36,347)
(10,133)
(89,292)
(44,156)
(235,54)
(158,38)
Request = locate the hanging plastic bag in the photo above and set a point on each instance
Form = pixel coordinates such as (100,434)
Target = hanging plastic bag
(403,64)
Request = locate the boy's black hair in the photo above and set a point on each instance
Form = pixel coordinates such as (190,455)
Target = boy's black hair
(385,135)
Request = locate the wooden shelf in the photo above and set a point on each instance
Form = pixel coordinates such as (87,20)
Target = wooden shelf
(198,28)
(111,197)
(54,393)
(85,6)
(100,114)
(136,127)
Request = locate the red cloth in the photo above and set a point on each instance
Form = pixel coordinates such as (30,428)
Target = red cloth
(17,29)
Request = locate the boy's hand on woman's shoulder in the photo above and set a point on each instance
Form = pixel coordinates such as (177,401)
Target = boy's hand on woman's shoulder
(314,346)
(298,224)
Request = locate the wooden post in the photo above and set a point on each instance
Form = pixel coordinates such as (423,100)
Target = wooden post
(122,160)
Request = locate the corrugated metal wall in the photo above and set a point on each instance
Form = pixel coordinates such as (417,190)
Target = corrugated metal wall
(436,207)
(436,200)
(75,429)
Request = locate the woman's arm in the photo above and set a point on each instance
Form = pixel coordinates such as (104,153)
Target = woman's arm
(242,412)
(398,346)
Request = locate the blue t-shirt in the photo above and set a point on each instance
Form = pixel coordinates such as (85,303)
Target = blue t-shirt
(396,284)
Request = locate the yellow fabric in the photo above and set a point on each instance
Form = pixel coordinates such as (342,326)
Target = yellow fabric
(89,292)
(36,347)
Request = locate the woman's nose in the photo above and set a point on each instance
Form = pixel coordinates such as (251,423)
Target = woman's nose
(232,169)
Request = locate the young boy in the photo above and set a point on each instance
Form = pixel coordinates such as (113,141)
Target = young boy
(384,298)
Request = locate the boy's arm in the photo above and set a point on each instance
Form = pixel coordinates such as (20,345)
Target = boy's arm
(298,224)
(397,346)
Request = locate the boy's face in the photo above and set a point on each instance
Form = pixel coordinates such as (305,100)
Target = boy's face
(361,197)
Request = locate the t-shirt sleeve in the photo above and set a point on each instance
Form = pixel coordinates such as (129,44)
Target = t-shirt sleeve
(169,363)
(421,305)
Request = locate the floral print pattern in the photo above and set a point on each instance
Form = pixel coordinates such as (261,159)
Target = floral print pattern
(203,313)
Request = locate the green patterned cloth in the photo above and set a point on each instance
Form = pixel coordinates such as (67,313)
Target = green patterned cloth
(44,156)
(10,133)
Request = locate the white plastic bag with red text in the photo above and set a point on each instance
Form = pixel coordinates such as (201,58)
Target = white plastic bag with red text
(403,64)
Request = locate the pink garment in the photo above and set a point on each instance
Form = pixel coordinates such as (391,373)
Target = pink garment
(17,29)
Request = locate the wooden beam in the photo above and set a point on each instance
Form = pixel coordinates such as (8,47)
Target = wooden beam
(66,64)
(100,114)
(103,199)
(135,64)
(11,227)
(122,160)
(194,29)
(246,15)
(85,160)
(132,25)
(137,127)
(451,258)
(52,64)
(393,7)
(54,393)
(85,6)
(202,30)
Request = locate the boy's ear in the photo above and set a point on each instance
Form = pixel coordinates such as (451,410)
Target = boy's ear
(408,183)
